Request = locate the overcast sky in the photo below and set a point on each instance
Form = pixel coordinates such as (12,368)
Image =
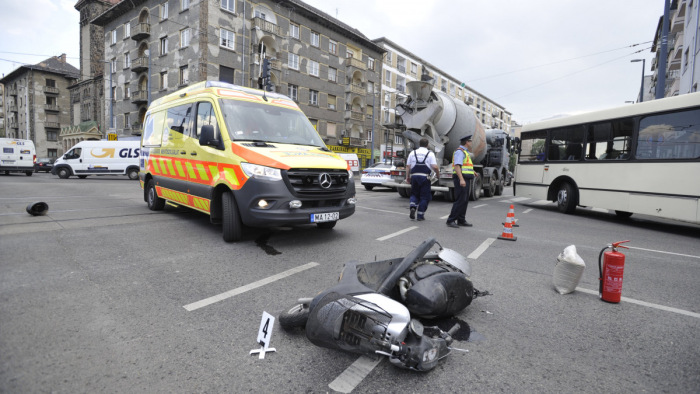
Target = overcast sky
(537,58)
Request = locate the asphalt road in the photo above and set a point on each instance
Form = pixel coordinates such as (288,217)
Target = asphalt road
(103,295)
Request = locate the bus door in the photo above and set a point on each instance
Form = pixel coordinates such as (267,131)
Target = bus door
(531,159)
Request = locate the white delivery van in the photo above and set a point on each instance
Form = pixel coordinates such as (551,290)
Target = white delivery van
(99,158)
(17,156)
(353,161)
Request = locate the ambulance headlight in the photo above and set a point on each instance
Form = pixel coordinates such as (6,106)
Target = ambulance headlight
(258,171)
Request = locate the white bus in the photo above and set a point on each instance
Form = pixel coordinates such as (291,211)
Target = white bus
(642,158)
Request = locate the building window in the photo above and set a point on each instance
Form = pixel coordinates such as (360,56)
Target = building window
(387,99)
(313,68)
(113,65)
(184,75)
(331,101)
(113,93)
(398,140)
(127,30)
(349,54)
(315,39)
(184,37)
(163,80)
(227,39)
(313,97)
(226,74)
(332,47)
(370,64)
(185,4)
(164,11)
(332,74)
(389,56)
(127,91)
(114,36)
(127,120)
(401,64)
(163,46)
(229,5)
(386,116)
(294,31)
(293,61)
(127,60)
(387,77)
(414,69)
(292,91)
(51,135)
(370,87)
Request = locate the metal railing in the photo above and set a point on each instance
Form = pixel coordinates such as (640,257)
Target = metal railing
(267,26)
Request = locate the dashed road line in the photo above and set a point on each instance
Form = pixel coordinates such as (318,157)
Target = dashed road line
(384,238)
(527,210)
(351,377)
(647,304)
(481,249)
(382,210)
(208,301)
(479,206)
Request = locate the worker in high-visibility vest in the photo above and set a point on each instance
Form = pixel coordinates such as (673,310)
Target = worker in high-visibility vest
(462,174)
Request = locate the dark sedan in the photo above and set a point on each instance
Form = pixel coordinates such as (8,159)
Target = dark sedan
(43,165)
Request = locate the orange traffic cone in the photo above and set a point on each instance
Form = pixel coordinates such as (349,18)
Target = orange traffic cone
(511,214)
(508,227)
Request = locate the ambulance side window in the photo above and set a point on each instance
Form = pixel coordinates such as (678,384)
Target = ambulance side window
(179,119)
(205,116)
(153,129)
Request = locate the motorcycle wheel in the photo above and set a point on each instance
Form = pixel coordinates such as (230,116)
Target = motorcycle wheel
(295,317)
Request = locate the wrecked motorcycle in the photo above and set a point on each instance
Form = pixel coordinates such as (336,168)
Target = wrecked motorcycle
(370,309)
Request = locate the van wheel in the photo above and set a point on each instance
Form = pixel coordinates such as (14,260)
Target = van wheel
(29,173)
(133,174)
(154,202)
(326,225)
(63,173)
(232,220)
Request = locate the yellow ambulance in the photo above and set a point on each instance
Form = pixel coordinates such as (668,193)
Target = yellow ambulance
(243,156)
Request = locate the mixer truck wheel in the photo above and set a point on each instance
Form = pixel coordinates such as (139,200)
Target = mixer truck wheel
(490,188)
(475,193)
(403,192)
(500,186)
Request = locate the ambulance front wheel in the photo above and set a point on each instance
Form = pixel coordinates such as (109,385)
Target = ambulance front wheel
(232,219)
(154,202)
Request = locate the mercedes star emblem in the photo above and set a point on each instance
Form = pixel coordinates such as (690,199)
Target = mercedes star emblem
(325,180)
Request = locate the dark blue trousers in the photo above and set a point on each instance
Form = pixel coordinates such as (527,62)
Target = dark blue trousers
(420,193)
(459,207)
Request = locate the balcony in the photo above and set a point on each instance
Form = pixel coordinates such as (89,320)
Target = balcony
(139,97)
(355,115)
(352,62)
(52,125)
(12,92)
(13,108)
(51,108)
(355,88)
(140,31)
(677,23)
(266,26)
(139,64)
(50,90)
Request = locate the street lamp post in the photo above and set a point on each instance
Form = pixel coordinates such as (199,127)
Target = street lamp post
(641,89)
(374,111)
(147,52)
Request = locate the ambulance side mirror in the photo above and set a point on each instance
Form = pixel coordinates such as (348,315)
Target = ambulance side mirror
(207,137)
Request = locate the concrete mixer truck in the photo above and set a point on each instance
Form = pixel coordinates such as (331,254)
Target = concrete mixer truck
(443,120)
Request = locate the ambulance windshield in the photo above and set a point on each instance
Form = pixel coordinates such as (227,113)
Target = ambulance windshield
(246,121)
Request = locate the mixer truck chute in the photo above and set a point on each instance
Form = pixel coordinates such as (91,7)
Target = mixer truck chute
(442,119)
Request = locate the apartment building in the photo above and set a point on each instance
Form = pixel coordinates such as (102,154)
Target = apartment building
(401,66)
(154,47)
(37,103)
(683,46)
(2,110)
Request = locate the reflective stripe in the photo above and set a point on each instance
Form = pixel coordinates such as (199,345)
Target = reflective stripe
(467,165)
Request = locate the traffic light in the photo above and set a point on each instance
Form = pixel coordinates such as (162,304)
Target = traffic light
(265,69)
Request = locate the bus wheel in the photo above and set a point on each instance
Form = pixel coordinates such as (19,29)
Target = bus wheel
(154,202)
(566,198)
(232,219)
(623,214)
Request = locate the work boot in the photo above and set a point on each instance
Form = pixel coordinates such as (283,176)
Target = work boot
(412,215)
(420,218)
(452,224)
(464,224)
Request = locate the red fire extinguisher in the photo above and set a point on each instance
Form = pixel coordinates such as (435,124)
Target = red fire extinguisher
(611,272)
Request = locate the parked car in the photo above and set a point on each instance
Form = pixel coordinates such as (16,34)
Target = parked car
(43,165)
(377,174)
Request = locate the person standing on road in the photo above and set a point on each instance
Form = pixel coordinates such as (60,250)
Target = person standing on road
(418,167)
(462,174)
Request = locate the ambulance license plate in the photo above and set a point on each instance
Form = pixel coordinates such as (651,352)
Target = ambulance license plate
(324,217)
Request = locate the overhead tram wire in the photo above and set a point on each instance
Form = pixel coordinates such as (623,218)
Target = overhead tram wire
(573,73)
(556,62)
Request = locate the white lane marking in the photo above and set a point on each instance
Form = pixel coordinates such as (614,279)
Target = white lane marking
(481,249)
(351,377)
(262,282)
(516,199)
(647,304)
(661,251)
(384,238)
(527,210)
(482,205)
(445,217)
(382,210)
(539,202)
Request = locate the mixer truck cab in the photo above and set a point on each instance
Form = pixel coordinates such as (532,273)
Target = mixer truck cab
(244,157)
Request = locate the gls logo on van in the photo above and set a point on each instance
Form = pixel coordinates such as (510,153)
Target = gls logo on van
(109,152)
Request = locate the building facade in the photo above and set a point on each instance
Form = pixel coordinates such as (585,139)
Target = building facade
(401,66)
(154,47)
(682,69)
(37,103)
